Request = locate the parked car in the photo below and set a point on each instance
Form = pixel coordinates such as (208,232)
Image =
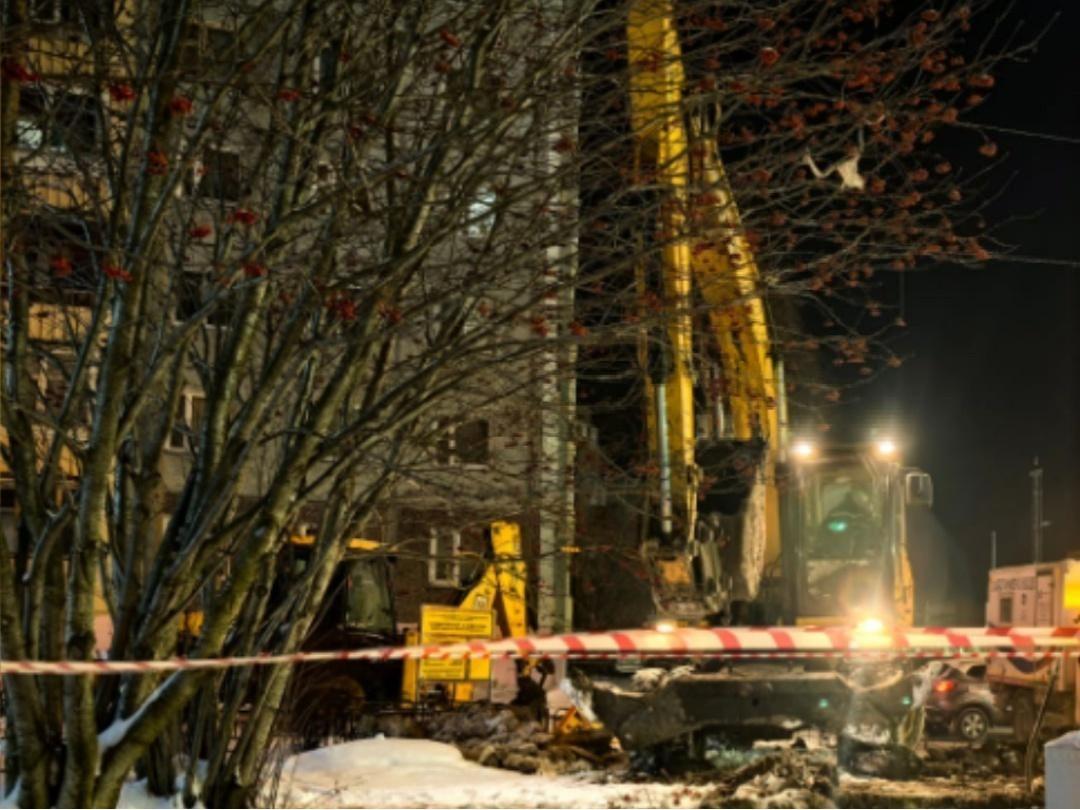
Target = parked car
(961,703)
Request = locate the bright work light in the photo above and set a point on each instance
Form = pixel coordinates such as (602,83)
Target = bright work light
(885,448)
(870,625)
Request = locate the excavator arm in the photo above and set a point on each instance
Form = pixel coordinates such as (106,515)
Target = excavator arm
(502,585)
(703,255)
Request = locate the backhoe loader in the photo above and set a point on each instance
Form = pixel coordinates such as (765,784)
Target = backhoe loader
(358,610)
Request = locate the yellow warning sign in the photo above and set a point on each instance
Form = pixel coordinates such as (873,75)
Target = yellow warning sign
(455,670)
(440,624)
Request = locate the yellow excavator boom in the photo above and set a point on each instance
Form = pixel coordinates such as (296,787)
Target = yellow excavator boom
(712,255)
(662,162)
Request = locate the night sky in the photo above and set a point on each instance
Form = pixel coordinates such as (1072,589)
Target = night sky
(992,377)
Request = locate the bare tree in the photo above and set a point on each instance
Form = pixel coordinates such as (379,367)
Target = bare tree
(280,241)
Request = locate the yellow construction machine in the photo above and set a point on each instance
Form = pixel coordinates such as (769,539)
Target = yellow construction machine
(743,511)
(746,526)
(500,589)
(359,611)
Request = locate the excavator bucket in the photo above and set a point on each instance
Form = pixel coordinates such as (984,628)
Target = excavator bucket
(723,562)
(659,707)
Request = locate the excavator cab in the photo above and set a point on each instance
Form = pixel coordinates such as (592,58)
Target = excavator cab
(850,529)
(846,536)
(359,602)
(367,603)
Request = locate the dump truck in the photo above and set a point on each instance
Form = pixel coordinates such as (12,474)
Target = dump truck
(1035,595)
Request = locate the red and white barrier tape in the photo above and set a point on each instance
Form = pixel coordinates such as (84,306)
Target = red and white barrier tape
(717,642)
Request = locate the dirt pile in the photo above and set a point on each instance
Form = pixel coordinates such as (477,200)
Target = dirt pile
(778,778)
(950,775)
(501,737)
(989,760)
(886,761)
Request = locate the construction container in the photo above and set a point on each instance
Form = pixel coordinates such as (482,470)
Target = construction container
(1063,771)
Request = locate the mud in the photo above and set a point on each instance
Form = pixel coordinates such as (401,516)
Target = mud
(505,737)
(935,792)
(780,778)
(801,771)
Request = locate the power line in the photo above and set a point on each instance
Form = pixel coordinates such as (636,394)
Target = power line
(1006,257)
(1044,136)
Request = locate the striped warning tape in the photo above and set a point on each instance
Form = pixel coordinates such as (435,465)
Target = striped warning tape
(690,643)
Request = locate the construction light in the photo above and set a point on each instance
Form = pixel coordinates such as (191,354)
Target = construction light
(664,626)
(803,450)
(871,625)
(885,448)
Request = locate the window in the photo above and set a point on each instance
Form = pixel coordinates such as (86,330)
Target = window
(325,176)
(322,68)
(76,122)
(30,125)
(481,214)
(188,296)
(201,46)
(466,443)
(190,299)
(60,253)
(1005,610)
(843,516)
(63,11)
(189,414)
(216,175)
(52,390)
(471,442)
(369,601)
(444,567)
(67,121)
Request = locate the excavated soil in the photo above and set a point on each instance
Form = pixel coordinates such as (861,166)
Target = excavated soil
(506,737)
(950,775)
(801,772)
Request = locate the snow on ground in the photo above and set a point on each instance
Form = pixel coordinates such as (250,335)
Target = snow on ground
(383,772)
(135,795)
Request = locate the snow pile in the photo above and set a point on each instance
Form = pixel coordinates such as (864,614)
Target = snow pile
(136,795)
(382,772)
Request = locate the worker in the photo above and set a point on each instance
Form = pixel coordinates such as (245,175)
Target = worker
(532,696)
(849,529)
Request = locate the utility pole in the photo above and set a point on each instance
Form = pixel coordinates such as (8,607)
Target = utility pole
(1037,524)
(993,549)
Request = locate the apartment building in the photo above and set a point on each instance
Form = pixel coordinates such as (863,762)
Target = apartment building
(484,457)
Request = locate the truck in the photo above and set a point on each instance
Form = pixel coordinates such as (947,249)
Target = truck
(1035,595)
(745,524)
